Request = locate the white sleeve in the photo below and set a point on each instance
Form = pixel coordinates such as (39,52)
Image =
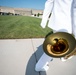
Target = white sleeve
(74,18)
(47,10)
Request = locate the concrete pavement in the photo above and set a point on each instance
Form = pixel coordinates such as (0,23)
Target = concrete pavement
(19,56)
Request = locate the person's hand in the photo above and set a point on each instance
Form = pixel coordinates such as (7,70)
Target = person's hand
(43,25)
(75,37)
(74,34)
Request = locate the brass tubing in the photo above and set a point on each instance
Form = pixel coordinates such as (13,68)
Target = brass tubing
(60,44)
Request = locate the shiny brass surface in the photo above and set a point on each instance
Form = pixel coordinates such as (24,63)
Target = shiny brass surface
(59,44)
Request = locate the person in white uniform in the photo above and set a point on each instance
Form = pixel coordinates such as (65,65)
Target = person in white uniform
(62,19)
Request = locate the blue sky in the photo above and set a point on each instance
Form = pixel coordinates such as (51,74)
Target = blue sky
(35,4)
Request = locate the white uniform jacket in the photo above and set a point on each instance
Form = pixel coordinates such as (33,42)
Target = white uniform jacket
(61,17)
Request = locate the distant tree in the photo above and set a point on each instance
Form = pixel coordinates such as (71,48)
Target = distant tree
(38,14)
(0,13)
(9,13)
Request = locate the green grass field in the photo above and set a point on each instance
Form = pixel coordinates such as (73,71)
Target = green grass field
(20,27)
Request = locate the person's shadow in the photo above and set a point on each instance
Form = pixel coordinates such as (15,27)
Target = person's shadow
(30,68)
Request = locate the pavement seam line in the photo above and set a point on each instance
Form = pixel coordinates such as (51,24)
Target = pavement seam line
(34,50)
(34,53)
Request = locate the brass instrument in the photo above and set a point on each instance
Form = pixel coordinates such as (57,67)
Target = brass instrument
(60,44)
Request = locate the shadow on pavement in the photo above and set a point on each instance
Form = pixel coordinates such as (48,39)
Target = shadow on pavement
(30,68)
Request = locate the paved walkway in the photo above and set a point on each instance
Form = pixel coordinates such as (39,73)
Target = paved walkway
(19,56)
